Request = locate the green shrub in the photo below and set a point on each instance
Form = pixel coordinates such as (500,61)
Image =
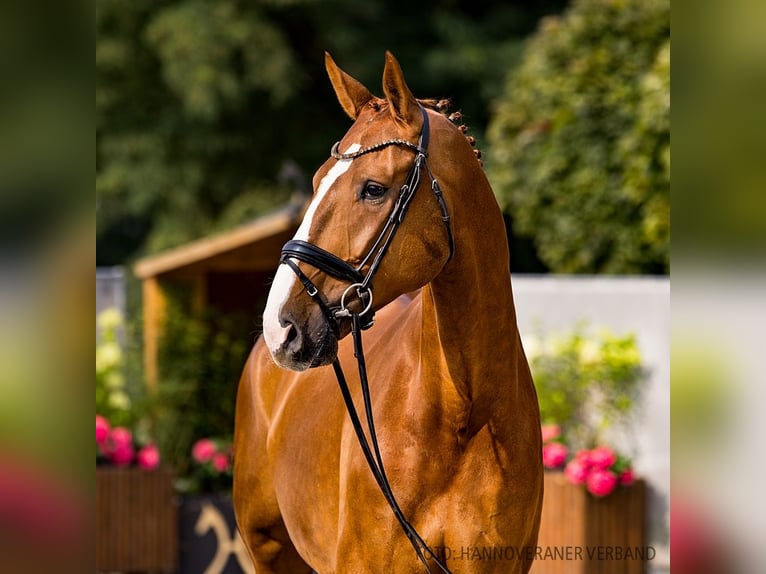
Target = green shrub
(587,382)
(580,140)
(200,362)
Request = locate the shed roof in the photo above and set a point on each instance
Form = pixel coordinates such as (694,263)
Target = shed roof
(254,246)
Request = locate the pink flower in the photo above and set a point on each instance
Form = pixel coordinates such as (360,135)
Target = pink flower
(583,457)
(203,450)
(122,454)
(554,455)
(121,436)
(576,471)
(220,462)
(602,457)
(550,432)
(148,457)
(119,446)
(102,430)
(601,482)
(627,478)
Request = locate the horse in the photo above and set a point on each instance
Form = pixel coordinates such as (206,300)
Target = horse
(455,407)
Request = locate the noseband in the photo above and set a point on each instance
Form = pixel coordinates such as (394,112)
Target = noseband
(336,267)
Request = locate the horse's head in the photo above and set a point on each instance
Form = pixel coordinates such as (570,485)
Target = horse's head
(354,231)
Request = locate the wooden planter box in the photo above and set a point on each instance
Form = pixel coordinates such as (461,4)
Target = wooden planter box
(136,520)
(580,533)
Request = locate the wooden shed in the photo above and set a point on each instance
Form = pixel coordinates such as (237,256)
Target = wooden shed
(227,271)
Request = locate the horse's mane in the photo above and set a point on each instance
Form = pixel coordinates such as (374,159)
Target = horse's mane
(442,106)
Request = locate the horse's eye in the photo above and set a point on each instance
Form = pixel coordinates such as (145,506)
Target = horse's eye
(373,191)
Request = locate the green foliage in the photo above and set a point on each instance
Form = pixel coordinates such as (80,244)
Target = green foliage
(586,383)
(210,471)
(201,358)
(180,88)
(201,103)
(212,53)
(580,140)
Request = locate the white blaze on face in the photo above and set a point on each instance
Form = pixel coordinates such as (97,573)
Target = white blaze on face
(273,332)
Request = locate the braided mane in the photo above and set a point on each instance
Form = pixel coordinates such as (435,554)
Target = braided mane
(442,106)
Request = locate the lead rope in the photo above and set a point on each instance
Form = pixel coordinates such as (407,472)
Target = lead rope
(376,462)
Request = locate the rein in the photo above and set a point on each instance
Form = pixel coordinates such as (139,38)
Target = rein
(372,456)
(362,284)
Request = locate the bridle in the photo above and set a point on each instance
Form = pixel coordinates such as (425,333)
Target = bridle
(340,269)
(362,282)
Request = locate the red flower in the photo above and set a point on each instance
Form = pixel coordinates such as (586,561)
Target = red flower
(102,430)
(220,462)
(627,478)
(583,457)
(148,457)
(122,454)
(576,471)
(119,446)
(204,450)
(554,455)
(602,457)
(601,482)
(121,436)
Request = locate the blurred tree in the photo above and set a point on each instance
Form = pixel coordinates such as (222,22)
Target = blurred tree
(181,87)
(580,140)
(200,103)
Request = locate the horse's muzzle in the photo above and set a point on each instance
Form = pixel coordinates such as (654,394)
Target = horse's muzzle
(305,345)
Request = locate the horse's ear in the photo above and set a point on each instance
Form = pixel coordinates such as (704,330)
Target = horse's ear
(402,103)
(352,95)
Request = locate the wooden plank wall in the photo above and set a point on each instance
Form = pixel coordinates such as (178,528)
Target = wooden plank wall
(136,521)
(599,529)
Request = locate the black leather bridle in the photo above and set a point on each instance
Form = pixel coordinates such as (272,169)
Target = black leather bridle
(340,269)
(336,267)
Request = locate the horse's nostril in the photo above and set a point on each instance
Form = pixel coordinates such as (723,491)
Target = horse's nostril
(292,333)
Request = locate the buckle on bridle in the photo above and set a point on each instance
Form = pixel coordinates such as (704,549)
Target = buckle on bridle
(364,294)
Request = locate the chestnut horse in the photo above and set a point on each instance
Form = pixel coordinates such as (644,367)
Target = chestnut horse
(455,407)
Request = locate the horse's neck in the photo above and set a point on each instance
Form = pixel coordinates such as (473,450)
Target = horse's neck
(468,311)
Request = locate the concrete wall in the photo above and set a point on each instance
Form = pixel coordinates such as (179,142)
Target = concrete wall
(641,305)
(110,288)
(110,293)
